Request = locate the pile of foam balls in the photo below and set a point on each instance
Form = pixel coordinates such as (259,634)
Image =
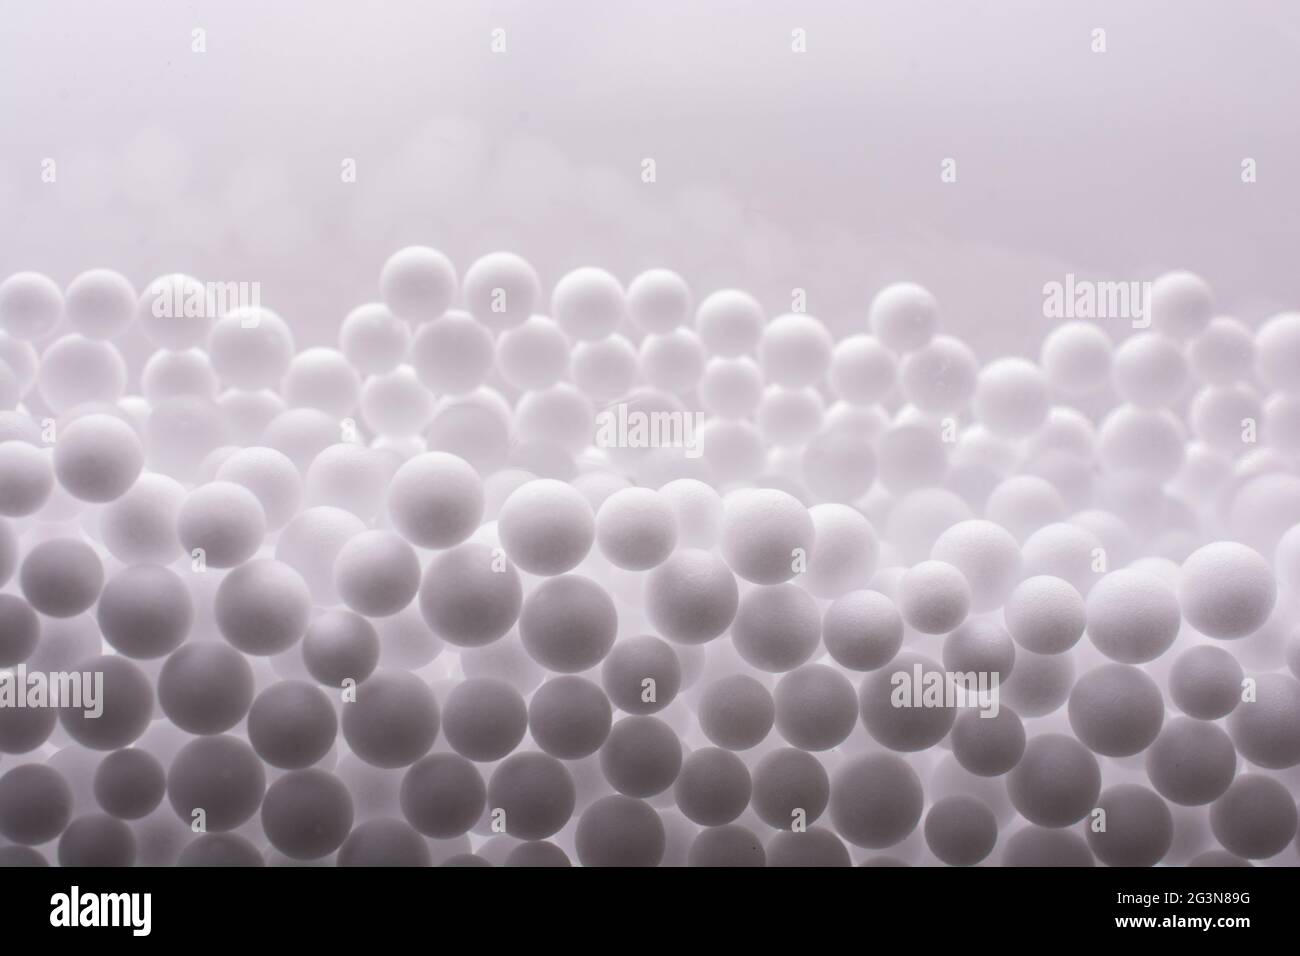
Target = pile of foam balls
(626,578)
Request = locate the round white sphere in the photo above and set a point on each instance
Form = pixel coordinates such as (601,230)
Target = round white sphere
(97,457)
(794,350)
(417,283)
(1150,370)
(31,305)
(1076,358)
(1045,615)
(1011,397)
(729,322)
(939,378)
(501,289)
(1223,353)
(1277,345)
(1181,304)
(987,556)
(76,370)
(903,316)
(1226,590)
(223,520)
(435,500)
(659,301)
(100,303)
(176,312)
(862,371)
(1133,616)
(546,527)
(26,478)
(636,528)
(933,597)
(251,348)
(452,354)
(377,573)
(271,476)
(764,531)
(588,303)
(373,339)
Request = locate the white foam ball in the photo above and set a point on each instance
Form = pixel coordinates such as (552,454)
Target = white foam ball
(1023,504)
(844,552)
(1147,441)
(1266,730)
(794,350)
(175,312)
(417,283)
(21,358)
(733,449)
(1223,353)
(1281,426)
(731,387)
(1011,397)
(636,528)
(838,465)
(1133,616)
(1205,682)
(322,378)
(31,305)
(76,370)
(987,556)
(1045,614)
(862,370)
(588,303)
(777,627)
(533,355)
(1076,357)
(903,316)
(1150,370)
(97,457)
(100,303)
(395,404)
(911,455)
(672,361)
(761,530)
(692,597)
(350,476)
(377,573)
(452,354)
(1255,818)
(263,607)
(435,500)
(1226,590)
(789,416)
(940,376)
(862,630)
(1056,783)
(26,478)
(1277,344)
(560,415)
(1191,762)
(140,526)
(546,527)
(605,369)
(729,322)
(501,289)
(310,544)
(271,476)
(246,414)
(373,339)
(168,374)
(697,511)
(933,597)
(1181,304)
(223,520)
(658,301)
(251,348)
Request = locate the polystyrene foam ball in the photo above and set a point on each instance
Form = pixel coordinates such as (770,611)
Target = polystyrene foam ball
(697,510)
(246,414)
(22,361)
(713,787)
(377,573)
(988,746)
(263,607)
(1266,729)
(569,717)
(452,354)
(1133,616)
(100,303)
(484,719)
(61,577)
(672,361)
(76,370)
(1226,590)
(176,311)
(373,339)
(893,706)
(816,707)
(181,431)
(605,369)
(560,414)
(641,757)
(384,842)
(535,354)
(1205,682)
(658,301)
(223,520)
(692,597)
(442,795)
(501,289)
(730,845)
(1011,397)
(1065,551)
(140,526)
(588,303)
(862,370)
(1226,416)
(125,708)
(838,465)
(1277,343)
(980,645)
(876,800)
(251,348)
(1024,503)
(903,316)
(1045,615)
(844,552)
(1255,818)
(546,527)
(933,597)
(292,724)
(618,830)
(789,416)
(394,720)
(729,322)
(97,457)
(642,675)
(1116,710)
(168,374)
(761,530)
(20,629)
(1281,425)
(307,814)
(1056,783)
(960,830)
(939,378)
(1041,846)
(1150,370)
(862,630)
(26,478)
(271,476)
(1222,353)
(534,793)
(1139,827)
(130,784)
(145,611)
(776,627)
(468,596)
(417,283)
(814,847)
(435,500)
(340,645)
(789,785)
(31,305)
(205,687)
(568,623)
(1076,357)
(395,404)
(987,556)
(1180,304)
(350,476)
(911,455)
(733,449)
(794,350)
(322,378)
(736,712)
(1191,762)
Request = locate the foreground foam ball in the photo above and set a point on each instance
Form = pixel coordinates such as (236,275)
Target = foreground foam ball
(1256,818)
(205,687)
(20,629)
(484,719)
(61,577)
(394,720)
(862,370)
(641,757)
(262,607)
(1147,441)
(762,531)
(1181,304)
(568,623)
(987,556)
(340,645)
(534,793)
(533,355)
(377,573)
(697,511)
(1116,710)
(1226,590)
(903,316)
(31,305)
(251,348)
(546,527)
(373,339)
(1150,370)
(35,804)
(898,704)
(1205,682)
(776,627)
(175,312)
(876,800)
(933,597)
(961,830)
(1224,352)
(451,354)
(845,548)
(469,596)
(1045,615)
(588,303)
(692,597)
(1076,357)
(729,322)
(794,350)
(307,814)
(620,831)
(130,784)
(606,369)
(76,370)
(123,711)
(636,529)
(731,845)
(8,550)
(1266,730)
(26,478)
(658,301)
(838,465)
(435,500)
(224,521)
(939,378)
(292,724)
(1139,827)
(1191,762)
(501,289)
(1041,847)
(1011,397)
(789,787)
(713,787)
(145,611)
(569,717)
(442,795)
(642,675)
(218,779)
(862,630)
(814,847)
(1056,782)
(988,746)
(816,707)
(980,645)
(1277,344)
(736,712)
(1133,616)
(384,842)
(98,457)
(417,283)
(271,476)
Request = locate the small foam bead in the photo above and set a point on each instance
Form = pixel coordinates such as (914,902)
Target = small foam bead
(31,305)
(636,529)
(301,434)
(340,645)
(1226,416)
(452,354)
(672,361)
(733,449)
(307,814)
(844,553)
(1266,730)
(987,556)
(1045,615)
(377,573)
(980,645)
(642,675)
(145,611)
(1056,783)
(394,720)
(292,724)
(1205,682)
(729,322)
(35,804)
(620,831)
(988,746)
(130,784)
(1147,441)
(641,757)
(816,707)
(97,840)
(1226,590)
(814,847)
(777,627)
(1076,358)
(534,793)
(1066,551)
(140,526)
(246,414)
(1116,710)
(76,370)
(789,416)
(1223,352)
(1150,370)
(100,303)
(713,787)
(538,853)
(658,301)
(97,457)
(588,303)
(417,283)
(876,800)
(794,350)
(568,623)
(546,527)
(903,316)
(605,369)
(322,378)
(1191,762)
(1277,345)
(761,530)
(468,596)
(175,312)
(1041,847)
(61,577)
(906,726)
(223,520)
(730,845)
(384,842)
(789,785)
(838,465)
(484,719)
(373,340)
(736,712)
(168,374)
(205,687)
(22,361)
(271,476)
(862,630)
(126,705)
(1255,818)
(501,289)
(911,455)
(251,348)
(1281,425)
(1133,616)
(569,717)
(8,551)
(697,511)
(940,377)
(1011,397)
(533,355)
(435,500)
(960,830)
(1139,827)
(933,597)
(26,478)
(263,607)
(862,370)
(20,629)
(1181,304)
(394,403)
(442,795)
